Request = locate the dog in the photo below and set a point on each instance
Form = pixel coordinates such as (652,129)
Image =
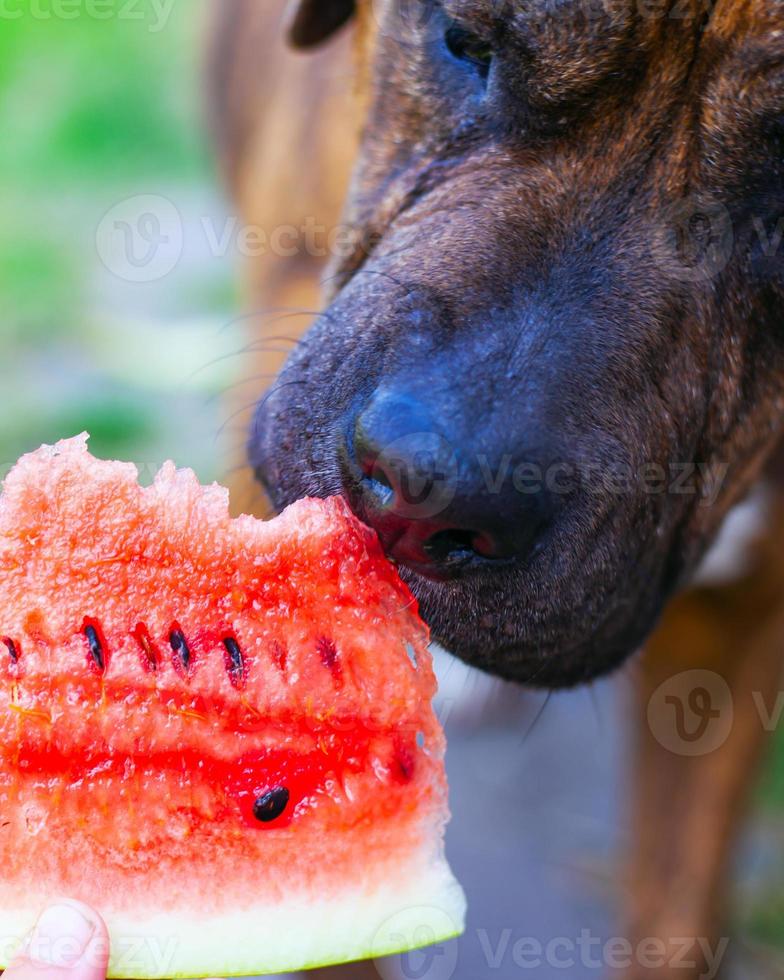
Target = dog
(550,354)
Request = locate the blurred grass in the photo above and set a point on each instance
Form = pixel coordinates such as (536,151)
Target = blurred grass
(95,111)
(87,99)
(761,914)
(771,792)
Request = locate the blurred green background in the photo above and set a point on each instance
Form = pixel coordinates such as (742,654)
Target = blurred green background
(94,114)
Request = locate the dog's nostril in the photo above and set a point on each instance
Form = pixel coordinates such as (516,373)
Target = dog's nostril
(428,497)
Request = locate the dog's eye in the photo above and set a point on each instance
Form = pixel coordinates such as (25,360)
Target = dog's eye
(465,46)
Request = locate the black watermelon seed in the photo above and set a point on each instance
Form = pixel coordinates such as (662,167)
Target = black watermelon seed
(236,664)
(96,647)
(270,806)
(180,646)
(13,652)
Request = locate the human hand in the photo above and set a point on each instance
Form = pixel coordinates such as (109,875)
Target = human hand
(69,942)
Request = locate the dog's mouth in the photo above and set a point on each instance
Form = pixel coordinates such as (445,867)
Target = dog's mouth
(558,618)
(558,602)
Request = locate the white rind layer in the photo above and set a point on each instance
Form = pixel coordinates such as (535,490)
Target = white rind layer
(306,932)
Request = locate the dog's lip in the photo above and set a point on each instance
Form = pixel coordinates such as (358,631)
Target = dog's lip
(458,566)
(441,572)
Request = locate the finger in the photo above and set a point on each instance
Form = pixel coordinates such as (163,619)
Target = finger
(69,942)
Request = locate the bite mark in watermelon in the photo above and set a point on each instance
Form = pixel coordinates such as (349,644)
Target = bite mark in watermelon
(219,732)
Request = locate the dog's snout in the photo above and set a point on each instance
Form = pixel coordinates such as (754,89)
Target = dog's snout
(436,508)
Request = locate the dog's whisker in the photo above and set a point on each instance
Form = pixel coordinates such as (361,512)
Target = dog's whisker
(243,410)
(240,428)
(239,410)
(278,338)
(363,271)
(384,275)
(539,713)
(271,315)
(226,390)
(591,691)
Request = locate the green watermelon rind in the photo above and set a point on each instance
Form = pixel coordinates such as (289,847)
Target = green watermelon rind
(431,912)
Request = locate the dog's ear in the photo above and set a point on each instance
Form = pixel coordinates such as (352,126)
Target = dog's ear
(309,22)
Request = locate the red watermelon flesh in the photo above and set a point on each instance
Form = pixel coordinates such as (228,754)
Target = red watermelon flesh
(219,732)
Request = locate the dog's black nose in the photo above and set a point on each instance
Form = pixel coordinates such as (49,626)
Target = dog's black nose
(439,504)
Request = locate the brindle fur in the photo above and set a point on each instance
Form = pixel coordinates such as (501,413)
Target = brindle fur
(515,258)
(528,228)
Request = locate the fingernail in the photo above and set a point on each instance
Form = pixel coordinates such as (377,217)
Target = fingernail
(60,936)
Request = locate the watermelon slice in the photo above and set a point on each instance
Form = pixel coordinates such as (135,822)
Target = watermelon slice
(218,732)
